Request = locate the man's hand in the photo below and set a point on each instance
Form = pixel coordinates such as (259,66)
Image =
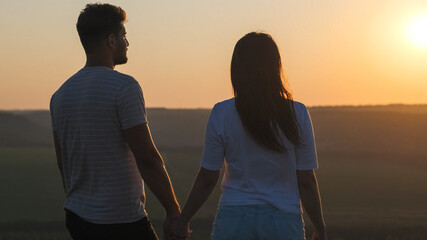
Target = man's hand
(167,223)
(178,230)
(319,235)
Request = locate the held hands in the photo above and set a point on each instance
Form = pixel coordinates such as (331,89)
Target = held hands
(320,235)
(167,223)
(178,229)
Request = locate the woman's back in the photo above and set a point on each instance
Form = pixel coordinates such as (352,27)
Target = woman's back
(253,173)
(267,142)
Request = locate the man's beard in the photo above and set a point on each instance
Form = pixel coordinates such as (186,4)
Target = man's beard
(122,60)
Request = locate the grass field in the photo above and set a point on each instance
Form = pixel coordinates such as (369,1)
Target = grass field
(365,197)
(372,175)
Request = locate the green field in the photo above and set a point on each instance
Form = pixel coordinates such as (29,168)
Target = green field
(372,175)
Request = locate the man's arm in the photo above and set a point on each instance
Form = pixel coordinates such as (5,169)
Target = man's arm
(58,152)
(151,167)
(310,198)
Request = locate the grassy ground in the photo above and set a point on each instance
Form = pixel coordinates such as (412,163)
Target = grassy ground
(366,196)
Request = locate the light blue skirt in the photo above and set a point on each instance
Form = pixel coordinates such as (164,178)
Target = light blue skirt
(256,222)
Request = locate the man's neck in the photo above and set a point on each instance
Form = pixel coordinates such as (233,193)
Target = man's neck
(99,60)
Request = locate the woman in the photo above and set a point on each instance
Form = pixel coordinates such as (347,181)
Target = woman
(267,142)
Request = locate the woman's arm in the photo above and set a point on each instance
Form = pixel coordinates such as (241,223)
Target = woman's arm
(310,198)
(202,188)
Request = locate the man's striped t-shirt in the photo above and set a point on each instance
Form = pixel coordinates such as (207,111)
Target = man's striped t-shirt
(89,112)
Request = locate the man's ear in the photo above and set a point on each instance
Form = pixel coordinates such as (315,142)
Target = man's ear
(111,41)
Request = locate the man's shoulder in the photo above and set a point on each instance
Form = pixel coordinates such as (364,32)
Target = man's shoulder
(125,81)
(98,74)
(104,72)
(107,75)
(124,77)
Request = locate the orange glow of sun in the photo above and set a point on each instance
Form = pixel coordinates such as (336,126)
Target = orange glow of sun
(417,31)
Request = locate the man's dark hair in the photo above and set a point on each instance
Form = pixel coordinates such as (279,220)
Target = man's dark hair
(96,22)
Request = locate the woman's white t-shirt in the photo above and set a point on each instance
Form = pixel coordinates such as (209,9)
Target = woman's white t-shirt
(254,174)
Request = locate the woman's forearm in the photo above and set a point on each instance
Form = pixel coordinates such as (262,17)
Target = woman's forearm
(311,201)
(202,188)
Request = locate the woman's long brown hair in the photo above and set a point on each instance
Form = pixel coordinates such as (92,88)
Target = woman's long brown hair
(262,101)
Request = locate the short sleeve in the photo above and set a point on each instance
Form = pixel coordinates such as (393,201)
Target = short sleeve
(52,116)
(306,156)
(213,151)
(131,106)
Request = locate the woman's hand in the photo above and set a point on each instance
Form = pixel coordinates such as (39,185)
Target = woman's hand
(178,230)
(202,188)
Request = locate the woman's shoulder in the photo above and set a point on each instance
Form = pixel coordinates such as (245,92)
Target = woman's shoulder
(299,105)
(223,105)
(300,109)
(223,108)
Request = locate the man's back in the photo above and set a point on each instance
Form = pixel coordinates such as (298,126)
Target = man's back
(89,112)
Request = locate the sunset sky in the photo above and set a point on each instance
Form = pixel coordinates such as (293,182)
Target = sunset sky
(334,52)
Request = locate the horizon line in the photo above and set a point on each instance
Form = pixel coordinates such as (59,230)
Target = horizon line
(203,108)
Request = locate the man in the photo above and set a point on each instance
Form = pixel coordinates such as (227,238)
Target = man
(102,140)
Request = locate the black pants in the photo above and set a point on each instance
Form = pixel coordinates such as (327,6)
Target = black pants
(81,229)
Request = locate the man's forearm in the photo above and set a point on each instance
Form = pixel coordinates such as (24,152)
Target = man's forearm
(151,167)
(58,153)
(310,198)
(157,179)
(61,171)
